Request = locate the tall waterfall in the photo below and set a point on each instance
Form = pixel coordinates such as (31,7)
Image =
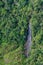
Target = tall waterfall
(27,45)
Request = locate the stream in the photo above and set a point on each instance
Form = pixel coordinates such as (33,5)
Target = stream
(27,45)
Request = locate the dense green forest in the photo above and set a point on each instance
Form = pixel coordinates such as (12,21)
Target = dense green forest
(15,16)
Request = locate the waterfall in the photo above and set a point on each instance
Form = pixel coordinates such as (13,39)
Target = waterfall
(27,45)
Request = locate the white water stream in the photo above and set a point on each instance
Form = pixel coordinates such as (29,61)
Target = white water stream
(28,42)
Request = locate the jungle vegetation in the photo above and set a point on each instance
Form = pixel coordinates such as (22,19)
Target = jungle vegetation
(15,16)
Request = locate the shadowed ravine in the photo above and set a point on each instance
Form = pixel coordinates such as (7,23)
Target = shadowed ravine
(28,42)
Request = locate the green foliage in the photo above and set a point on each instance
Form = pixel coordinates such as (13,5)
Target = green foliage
(12,21)
(14,18)
(14,57)
(36,57)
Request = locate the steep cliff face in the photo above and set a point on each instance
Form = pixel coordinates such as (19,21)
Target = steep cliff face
(28,42)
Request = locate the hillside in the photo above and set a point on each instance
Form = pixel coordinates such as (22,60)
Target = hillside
(15,16)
